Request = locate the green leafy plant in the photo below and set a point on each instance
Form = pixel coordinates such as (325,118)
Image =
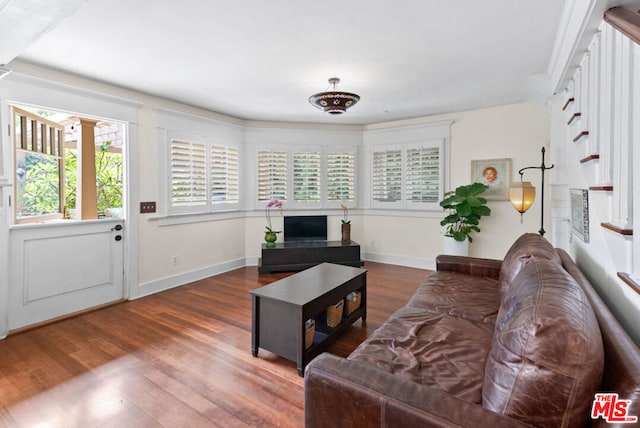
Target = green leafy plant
(108,178)
(465,208)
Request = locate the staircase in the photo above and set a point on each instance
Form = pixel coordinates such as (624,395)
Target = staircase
(595,128)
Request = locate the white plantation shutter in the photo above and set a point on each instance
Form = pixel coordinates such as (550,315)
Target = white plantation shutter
(188,174)
(306,176)
(386,180)
(423,175)
(272,175)
(341,177)
(224,175)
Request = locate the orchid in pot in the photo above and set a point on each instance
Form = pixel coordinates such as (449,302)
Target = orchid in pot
(271,235)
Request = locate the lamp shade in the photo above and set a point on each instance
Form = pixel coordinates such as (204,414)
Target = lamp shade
(522,194)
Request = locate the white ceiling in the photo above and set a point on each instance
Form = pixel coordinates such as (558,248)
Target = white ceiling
(261,60)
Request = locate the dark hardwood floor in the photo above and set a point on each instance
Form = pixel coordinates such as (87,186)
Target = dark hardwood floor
(180,358)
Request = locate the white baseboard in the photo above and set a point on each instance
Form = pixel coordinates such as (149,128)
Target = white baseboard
(252,261)
(399,260)
(167,283)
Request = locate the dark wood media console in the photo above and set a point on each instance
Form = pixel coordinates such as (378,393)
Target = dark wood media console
(300,255)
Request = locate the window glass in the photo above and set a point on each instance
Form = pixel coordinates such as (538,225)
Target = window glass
(272,175)
(423,175)
(387,175)
(341,181)
(306,176)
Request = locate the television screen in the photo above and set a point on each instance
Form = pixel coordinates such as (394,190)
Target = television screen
(305,228)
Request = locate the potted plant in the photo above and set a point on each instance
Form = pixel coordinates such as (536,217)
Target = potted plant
(464,209)
(271,235)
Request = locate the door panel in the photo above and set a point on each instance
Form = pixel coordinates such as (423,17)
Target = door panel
(63,268)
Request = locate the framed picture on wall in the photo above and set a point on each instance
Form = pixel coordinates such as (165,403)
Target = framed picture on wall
(580,213)
(495,173)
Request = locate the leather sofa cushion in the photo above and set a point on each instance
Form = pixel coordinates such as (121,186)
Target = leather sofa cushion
(457,294)
(546,359)
(431,348)
(527,247)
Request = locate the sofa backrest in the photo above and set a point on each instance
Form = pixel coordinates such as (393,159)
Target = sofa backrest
(527,247)
(546,358)
(621,355)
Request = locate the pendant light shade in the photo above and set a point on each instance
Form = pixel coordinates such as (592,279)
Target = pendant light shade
(522,194)
(334,101)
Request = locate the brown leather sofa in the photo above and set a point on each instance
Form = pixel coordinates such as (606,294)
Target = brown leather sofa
(484,343)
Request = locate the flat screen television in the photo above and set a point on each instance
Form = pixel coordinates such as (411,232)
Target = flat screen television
(305,228)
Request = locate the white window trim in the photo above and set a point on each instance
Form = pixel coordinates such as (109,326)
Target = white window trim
(425,205)
(208,142)
(380,148)
(325,185)
(403,203)
(290,178)
(377,138)
(323,150)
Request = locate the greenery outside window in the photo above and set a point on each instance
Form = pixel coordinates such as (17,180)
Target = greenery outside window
(47,166)
(39,154)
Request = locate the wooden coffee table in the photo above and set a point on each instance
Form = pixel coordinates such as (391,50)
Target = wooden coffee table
(280,309)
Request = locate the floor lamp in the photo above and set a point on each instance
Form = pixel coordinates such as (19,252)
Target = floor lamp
(523,194)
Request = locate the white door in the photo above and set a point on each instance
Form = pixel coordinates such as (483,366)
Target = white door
(61,268)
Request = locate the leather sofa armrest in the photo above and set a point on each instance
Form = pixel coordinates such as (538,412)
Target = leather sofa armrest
(344,393)
(469,265)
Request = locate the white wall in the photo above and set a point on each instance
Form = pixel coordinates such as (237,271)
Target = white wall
(515,131)
(210,244)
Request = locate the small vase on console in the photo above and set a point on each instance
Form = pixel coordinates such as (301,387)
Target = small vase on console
(346,224)
(346,232)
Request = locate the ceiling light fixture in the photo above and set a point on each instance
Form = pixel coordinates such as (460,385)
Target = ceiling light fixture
(334,101)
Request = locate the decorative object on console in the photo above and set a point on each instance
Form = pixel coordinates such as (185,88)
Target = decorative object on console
(334,101)
(271,235)
(523,194)
(465,208)
(346,224)
(495,173)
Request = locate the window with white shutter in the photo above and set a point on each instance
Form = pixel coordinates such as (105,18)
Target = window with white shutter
(341,177)
(204,176)
(407,176)
(224,175)
(306,177)
(272,175)
(423,175)
(188,174)
(386,182)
